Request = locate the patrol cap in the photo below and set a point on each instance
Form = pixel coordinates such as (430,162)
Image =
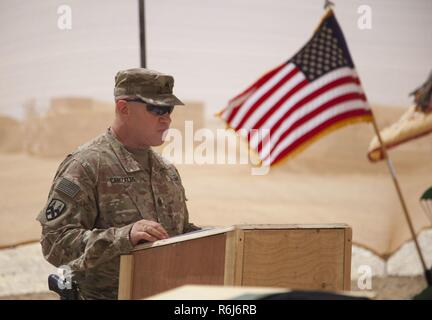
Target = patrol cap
(148,85)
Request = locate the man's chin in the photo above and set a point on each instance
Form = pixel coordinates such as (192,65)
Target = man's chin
(157,144)
(160,139)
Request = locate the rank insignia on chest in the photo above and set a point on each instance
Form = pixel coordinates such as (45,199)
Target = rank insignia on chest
(55,209)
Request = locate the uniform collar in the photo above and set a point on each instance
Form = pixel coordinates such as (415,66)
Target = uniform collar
(124,156)
(157,162)
(127,160)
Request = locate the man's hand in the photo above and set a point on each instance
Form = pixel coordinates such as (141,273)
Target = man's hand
(147,230)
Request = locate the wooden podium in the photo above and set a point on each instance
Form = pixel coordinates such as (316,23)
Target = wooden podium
(314,257)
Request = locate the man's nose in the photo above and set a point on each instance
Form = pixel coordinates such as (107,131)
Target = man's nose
(166,118)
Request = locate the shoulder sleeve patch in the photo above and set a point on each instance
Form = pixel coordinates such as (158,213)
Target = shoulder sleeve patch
(68,187)
(55,208)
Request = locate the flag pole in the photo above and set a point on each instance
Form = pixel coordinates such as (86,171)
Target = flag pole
(141,12)
(427,273)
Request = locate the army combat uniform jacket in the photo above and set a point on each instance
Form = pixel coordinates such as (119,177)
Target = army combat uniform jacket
(98,192)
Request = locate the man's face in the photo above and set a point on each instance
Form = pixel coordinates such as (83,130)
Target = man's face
(146,128)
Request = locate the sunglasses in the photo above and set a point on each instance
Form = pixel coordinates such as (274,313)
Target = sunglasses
(156,110)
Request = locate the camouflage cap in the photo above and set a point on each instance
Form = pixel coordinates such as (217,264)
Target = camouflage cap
(150,86)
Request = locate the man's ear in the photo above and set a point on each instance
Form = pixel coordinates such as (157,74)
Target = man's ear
(122,107)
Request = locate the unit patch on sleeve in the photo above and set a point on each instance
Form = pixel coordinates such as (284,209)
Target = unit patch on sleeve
(55,209)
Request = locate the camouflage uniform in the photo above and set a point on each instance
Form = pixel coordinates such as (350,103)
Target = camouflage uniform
(98,192)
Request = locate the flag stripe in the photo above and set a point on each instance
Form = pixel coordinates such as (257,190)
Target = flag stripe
(321,95)
(259,92)
(262,115)
(310,134)
(259,82)
(237,102)
(272,95)
(357,105)
(297,83)
(298,121)
(269,118)
(308,104)
(307,126)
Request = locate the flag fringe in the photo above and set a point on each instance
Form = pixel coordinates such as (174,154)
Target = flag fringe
(326,131)
(303,146)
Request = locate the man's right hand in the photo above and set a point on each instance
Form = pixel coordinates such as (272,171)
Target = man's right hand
(147,230)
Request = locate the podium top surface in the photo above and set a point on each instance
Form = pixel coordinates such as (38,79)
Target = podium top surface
(215,292)
(209,292)
(205,232)
(210,231)
(291,226)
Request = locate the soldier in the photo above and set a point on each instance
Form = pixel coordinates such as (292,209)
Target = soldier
(115,191)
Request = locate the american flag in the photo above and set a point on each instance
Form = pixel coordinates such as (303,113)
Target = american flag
(313,93)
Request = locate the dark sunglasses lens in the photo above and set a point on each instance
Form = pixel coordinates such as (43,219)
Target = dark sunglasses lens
(160,111)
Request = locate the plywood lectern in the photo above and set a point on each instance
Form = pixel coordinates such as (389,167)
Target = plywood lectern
(288,256)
